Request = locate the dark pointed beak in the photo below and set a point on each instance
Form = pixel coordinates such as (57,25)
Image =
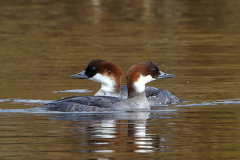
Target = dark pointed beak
(80,75)
(164,75)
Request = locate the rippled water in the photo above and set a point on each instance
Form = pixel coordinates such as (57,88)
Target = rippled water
(44,42)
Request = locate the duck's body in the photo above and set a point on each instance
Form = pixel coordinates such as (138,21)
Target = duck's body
(154,96)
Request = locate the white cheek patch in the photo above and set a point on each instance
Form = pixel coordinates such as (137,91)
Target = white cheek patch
(107,82)
(139,85)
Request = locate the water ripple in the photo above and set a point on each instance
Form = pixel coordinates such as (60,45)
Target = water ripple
(74,90)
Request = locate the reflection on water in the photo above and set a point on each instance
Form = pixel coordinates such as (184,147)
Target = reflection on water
(44,42)
(183,133)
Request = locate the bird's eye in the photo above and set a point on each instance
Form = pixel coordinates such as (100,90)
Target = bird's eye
(92,69)
(154,70)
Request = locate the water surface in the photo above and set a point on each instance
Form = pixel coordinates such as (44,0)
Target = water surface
(44,42)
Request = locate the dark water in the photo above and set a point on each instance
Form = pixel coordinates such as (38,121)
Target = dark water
(44,42)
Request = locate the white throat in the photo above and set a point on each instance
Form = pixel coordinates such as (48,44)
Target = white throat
(107,83)
(139,85)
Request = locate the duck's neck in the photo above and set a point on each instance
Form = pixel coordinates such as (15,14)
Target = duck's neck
(113,88)
(135,89)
